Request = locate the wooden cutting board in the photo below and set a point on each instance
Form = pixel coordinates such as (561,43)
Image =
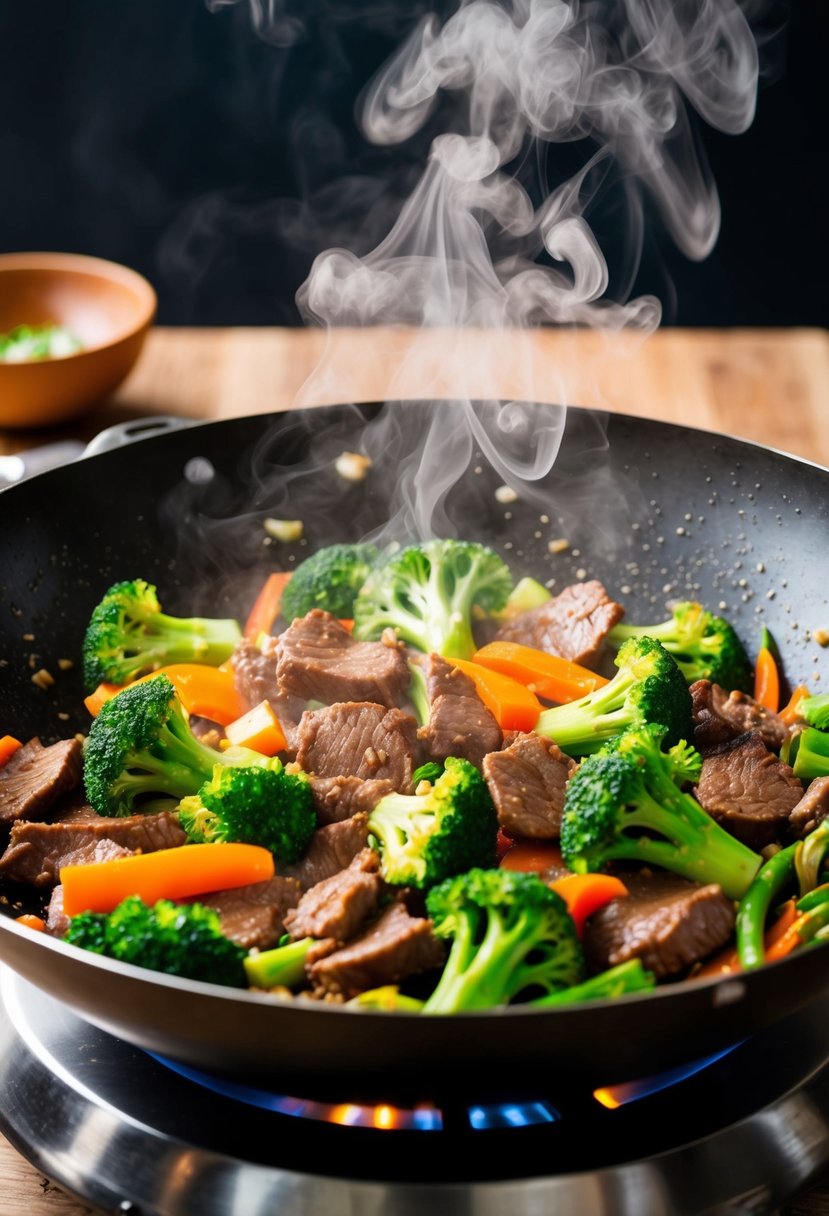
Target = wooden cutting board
(771,386)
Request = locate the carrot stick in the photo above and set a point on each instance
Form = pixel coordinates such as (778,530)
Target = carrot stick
(208,692)
(266,606)
(31,921)
(8,746)
(766,680)
(791,712)
(259,730)
(584,894)
(190,869)
(512,704)
(548,675)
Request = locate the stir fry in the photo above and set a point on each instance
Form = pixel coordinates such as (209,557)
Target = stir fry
(410,784)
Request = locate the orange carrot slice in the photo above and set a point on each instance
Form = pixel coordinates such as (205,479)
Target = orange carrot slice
(584,894)
(549,676)
(259,730)
(208,692)
(8,746)
(766,680)
(512,704)
(191,869)
(266,606)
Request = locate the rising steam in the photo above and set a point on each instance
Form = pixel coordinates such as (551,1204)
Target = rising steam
(504,82)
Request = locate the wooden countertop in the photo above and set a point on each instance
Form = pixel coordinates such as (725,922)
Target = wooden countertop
(771,386)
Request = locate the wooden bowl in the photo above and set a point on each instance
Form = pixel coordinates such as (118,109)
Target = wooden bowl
(107,307)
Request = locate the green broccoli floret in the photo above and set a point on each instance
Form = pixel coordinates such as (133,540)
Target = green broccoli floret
(648,687)
(815,710)
(329,579)
(622,980)
(254,804)
(424,838)
(510,933)
(140,754)
(128,635)
(179,939)
(624,803)
(282,967)
(705,646)
(426,593)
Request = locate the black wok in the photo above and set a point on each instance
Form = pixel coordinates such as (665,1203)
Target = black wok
(685,512)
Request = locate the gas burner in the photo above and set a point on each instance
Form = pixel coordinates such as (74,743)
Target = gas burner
(128,1131)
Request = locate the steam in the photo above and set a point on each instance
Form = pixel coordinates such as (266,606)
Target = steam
(496,238)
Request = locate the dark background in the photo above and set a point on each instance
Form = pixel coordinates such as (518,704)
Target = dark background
(173,139)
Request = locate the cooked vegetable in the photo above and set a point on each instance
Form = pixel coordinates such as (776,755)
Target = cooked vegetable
(330,579)
(815,710)
(808,754)
(548,675)
(267,605)
(810,856)
(141,755)
(622,980)
(767,680)
(704,646)
(513,706)
(532,856)
(527,594)
(424,838)
(208,692)
(389,999)
(584,894)
(179,873)
(8,746)
(770,880)
(427,593)
(810,924)
(258,729)
(28,343)
(282,967)
(253,804)
(648,688)
(510,935)
(128,635)
(792,710)
(185,940)
(727,962)
(624,803)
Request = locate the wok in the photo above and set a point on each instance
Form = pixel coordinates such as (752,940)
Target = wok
(656,511)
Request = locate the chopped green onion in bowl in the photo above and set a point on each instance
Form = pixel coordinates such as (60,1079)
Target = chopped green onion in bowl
(26,343)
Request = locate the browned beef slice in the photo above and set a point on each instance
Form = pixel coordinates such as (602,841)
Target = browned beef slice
(748,790)
(459,722)
(395,946)
(254,673)
(337,798)
(573,624)
(812,808)
(319,660)
(37,851)
(527,782)
(358,739)
(332,848)
(719,715)
(666,921)
(338,906)
(57,922)
(35,777)
(255,915)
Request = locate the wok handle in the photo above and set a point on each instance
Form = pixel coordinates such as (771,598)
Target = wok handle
(122,433)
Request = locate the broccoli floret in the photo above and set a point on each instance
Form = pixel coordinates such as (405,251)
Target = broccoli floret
(510,934)
(140,754)
(329,579)
(617,981)
(648,687)
(426,593)
(254,804)
(705,646)
(179,939)
(815,710)
(128,635)
(624,803)
(424,838)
